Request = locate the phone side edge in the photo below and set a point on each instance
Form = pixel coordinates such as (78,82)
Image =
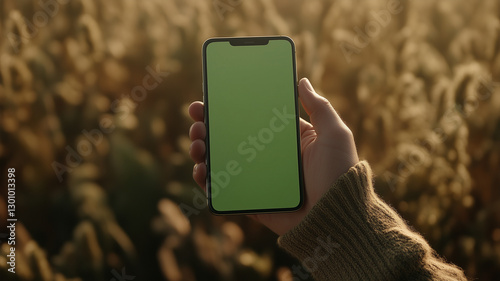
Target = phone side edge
(205,120)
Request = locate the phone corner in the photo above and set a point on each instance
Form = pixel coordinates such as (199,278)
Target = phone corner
(207,42)
(300,198)
(212,209)
(299,205)
(286,37)
(289,39)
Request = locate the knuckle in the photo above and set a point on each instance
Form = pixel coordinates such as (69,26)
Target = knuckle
(324,101)
(345,132)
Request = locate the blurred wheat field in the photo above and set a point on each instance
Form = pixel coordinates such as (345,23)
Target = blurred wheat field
(93,99)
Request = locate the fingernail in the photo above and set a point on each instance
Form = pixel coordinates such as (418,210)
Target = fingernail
(195,168)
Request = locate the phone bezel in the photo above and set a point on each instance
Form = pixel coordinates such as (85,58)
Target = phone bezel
(250,41)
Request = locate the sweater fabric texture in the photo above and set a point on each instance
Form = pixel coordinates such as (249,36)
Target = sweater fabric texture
(352,234)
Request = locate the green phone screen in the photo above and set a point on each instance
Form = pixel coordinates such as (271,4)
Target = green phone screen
(251,114)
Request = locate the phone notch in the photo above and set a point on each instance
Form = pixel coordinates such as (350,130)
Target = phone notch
(249,41)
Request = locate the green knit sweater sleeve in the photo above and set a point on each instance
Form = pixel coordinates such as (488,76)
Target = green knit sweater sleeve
(351,234)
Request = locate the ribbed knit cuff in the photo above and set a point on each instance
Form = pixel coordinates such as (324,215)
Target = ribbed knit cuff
(351,234)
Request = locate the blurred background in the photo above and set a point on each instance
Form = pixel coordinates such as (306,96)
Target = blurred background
(94,96)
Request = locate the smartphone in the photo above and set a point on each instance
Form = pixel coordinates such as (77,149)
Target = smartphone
(253,153)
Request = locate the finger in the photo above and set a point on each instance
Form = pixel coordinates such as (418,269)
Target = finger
(199,175)
(305,126)
(254,217)
(197,151)
(197,131)
(196,110)
(323,117)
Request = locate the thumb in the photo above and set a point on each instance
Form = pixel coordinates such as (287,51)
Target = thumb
(322,115)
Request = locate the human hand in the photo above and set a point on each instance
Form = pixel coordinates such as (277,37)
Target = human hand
(328,151)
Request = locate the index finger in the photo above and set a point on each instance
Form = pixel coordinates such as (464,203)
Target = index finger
(196,111)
